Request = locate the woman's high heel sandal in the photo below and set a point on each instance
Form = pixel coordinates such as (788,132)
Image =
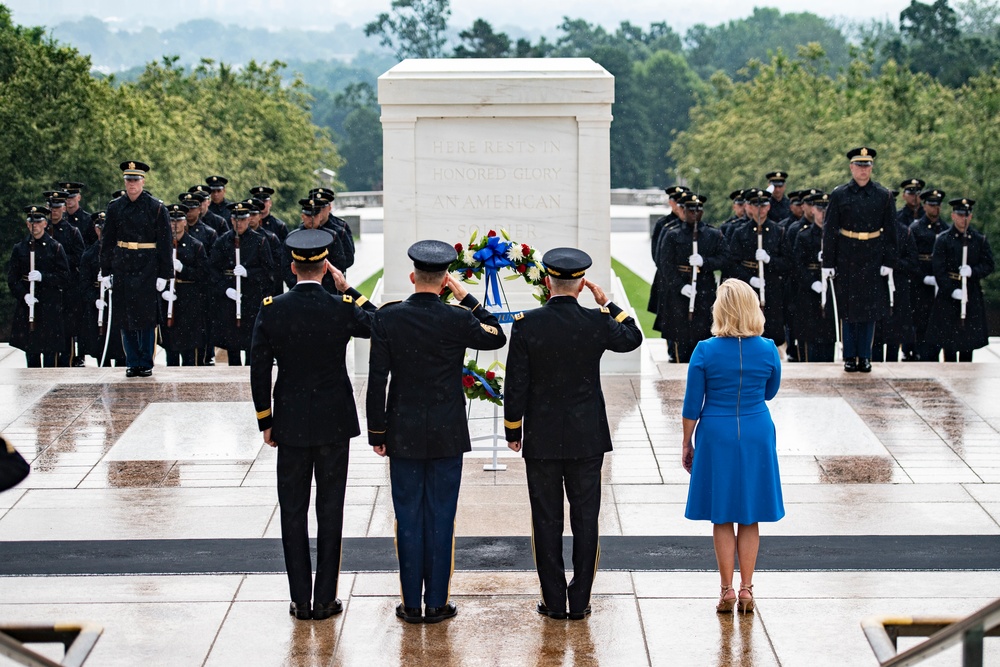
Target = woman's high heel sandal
(726,605)
(746,604)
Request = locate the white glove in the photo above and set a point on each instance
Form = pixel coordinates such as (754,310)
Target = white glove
(956,294)
(30,300)
(884,271)
(231,293)
(965,271)
(828,273)
(930,280)
(687,290)
(762,256)
(161,284)
(105,281)
(169,296)
(756,282)
(696,260)
(99,304)
(817,287)
(178,267)
(34,276)
(240,270)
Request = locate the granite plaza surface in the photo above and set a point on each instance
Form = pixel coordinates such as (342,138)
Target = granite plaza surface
(909,452)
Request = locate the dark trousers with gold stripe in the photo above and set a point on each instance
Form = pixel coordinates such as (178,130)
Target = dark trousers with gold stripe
(582,481)
(296,468)
(425,499)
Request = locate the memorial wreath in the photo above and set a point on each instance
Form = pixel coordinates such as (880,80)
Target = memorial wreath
(481,383)
(485,257)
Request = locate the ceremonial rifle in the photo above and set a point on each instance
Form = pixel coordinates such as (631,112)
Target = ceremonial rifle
(694,272)
(965,280)
(31,284)
(173,282)
(760,264)
(239,292)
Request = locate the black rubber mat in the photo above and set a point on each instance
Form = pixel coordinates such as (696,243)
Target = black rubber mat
(374,554)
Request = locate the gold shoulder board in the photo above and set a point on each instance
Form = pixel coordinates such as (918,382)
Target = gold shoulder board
(268,300)
(389,303)
(458,305)
(606,311)
(347,298)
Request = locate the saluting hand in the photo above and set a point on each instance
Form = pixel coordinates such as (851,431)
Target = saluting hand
(599,296)
(339,279)
(456,287)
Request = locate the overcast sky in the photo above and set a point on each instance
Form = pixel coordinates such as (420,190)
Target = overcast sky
(531,15)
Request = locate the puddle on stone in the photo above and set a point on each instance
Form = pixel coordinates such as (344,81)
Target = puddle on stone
(141,474)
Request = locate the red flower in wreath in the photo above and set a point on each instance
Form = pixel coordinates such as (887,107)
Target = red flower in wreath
(490,375)
(458,247)
(491,233)
(522,268)
(468,273)
(467,381)
(525,249)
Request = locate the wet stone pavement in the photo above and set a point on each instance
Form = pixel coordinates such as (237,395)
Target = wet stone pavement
(911,452)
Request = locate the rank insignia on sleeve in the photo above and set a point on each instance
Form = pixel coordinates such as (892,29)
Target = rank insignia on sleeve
(606,311)
(518,316)
(347,298)
(488,329)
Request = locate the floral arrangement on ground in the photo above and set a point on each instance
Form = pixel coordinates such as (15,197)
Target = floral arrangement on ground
(483,383)
(484,257)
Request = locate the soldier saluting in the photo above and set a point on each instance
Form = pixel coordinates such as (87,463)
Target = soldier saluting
(135,252)
(37,276)
(962,259)
(859,251)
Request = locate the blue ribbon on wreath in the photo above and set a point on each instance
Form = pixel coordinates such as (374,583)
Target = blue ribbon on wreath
(494,257)
(486,385)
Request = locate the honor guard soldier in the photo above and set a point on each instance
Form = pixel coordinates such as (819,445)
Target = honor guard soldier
(912,209)
(895,332)
(739,215)
(314,416)
(792,230)
(195,227)
(100,335)
(241,265)
(663,225)
(422,426)
(336,226)
(75,214)
(37,277)
(962,259)
(269,222)
(780,205)
(795,208)
(925,287)
(690,254)
(135,252)
(860,253)
(275,284)
(182,313)
(311,212)
(216,222)
(756,257)
(218,204)
(554,413)
(71,240)
(815,326)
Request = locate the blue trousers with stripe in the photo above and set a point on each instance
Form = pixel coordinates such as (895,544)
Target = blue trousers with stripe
(425,499)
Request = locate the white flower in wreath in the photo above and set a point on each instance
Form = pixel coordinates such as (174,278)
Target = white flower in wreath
(514,253)
(534,275)
(539,290)
(468,258)
(457,275)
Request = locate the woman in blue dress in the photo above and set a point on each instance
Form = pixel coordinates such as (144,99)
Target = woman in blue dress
(732,456)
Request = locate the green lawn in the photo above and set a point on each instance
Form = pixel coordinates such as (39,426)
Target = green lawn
(637,290)
(368,286)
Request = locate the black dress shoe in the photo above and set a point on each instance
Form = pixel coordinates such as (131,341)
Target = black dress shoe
(851,365)
(299,610)
(323,611)
(144,372)
(545,611)
(579,615)
(78,362)
(130,372)
(438,614)
(409,614)
(865,365)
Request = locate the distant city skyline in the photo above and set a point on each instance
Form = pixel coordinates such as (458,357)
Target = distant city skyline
(529,15)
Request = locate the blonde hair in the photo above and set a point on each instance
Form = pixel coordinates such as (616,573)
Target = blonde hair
(736,312)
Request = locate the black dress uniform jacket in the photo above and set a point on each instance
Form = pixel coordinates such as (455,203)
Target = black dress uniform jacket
(222,210)
(946,327)
(205,234)
(780,209)
(313,397)
(743,266)
(813,324)
(88,290)
(135,269)
(662,225)
(276,226)
(83,221)
(861,291)
(343,233)
(71,240)
(925,233)
(191,285)
(675,272)
(898,326)
(553,381)
(49,335)
(219,224)
(421,342)
(255,256)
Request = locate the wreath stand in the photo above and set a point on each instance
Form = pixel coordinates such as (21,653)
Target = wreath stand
(498,437)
